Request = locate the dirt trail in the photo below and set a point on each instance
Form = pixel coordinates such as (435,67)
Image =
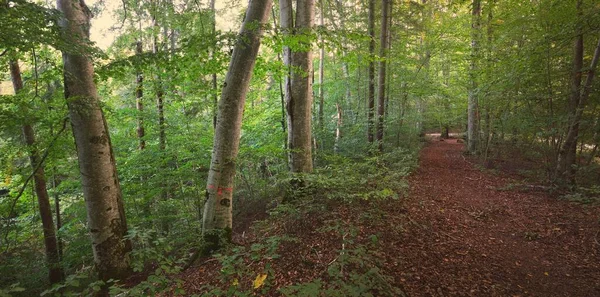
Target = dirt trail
(466,233)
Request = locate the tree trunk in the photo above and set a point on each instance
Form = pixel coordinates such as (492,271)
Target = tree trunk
(338,127)
(160,99)
(299,86)
(55,272)
(567,152)
(321,70)
(139,104)
(371,93)
(160,94)
(473,104)
(217,218)
(215,98)
(382,73)
(281,91)
(567,155)
(58,217)
(101,188)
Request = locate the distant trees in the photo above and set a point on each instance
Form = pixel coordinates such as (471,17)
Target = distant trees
(101,188)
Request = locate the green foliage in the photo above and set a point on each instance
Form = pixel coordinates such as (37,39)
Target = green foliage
(584,195)
(341,178)
(237,274)
(26,25)
(7,292)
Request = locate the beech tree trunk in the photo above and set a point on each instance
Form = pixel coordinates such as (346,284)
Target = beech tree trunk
(217,218)
(55,273)
(215,98)
(139,94)
(101,188)
(473,104)
(371,92)
(298,90)
(160,94)
(382,73)
(321,69)
(281,92)
(338,127)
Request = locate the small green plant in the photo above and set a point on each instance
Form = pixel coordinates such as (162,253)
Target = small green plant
(78,284)
(237,276)
(354,272)
(14,288)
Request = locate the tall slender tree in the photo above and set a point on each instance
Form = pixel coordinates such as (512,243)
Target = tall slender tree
(473,104)
(101,188)
(217,219)
(565,171)
(371,92)
(298,86)
(139,95)
(55,272)
(214,94)
(321,67)
(382,73)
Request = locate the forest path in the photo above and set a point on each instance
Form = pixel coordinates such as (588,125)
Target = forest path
(467,233)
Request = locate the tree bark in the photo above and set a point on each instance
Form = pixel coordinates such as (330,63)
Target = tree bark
(473,104)
(217,218)
(299,85)
(281,91)
(567,154)
(139,94)
(55,273)
(338,127)
(371,92)
(215,98)
(382,73)
(101,188)
(321,69)
(160,94)
(58,217)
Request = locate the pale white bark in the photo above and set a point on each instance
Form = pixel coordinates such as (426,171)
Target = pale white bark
(219,189)
(101,188)
(321,70)
(299,86)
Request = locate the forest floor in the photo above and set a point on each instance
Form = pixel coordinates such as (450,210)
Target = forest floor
(460,231)
(474,235)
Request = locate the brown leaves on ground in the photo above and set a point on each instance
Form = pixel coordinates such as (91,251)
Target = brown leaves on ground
(468,236)
(460,232)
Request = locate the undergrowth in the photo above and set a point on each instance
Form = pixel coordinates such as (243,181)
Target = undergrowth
(352,268)
(340,187)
